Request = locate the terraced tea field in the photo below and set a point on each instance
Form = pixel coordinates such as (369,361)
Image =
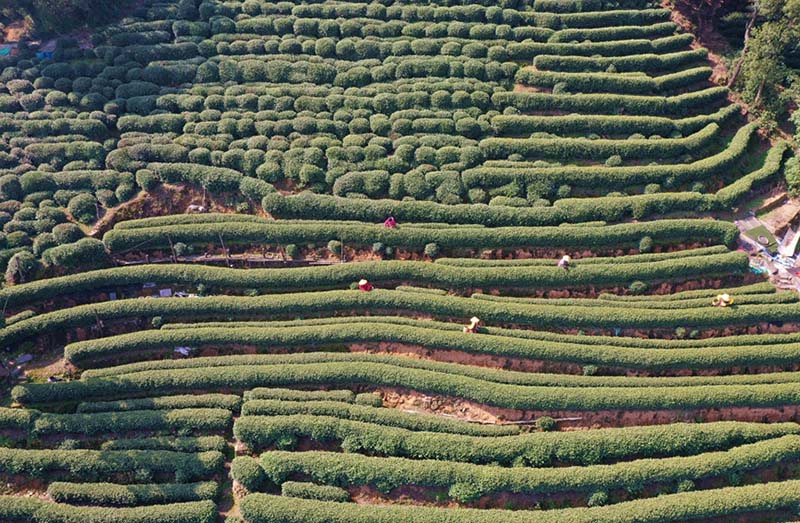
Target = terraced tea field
(228,364)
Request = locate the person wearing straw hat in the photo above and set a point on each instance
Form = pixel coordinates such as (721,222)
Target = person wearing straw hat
(722,300)
(390,222)
(473,326)
(364,285)
(564,263)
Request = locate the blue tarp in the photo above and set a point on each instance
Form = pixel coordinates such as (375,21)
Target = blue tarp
(44,55)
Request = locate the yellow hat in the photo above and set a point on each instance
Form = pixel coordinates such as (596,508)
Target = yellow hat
(726,297)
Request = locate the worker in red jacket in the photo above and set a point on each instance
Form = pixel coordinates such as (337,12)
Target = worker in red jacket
(364,285)
(390,222)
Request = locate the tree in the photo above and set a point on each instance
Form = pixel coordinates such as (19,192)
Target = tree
(762,75)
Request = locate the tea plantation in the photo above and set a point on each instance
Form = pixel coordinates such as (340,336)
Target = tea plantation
(242,241)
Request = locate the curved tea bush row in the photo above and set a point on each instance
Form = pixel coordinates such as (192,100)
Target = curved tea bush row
(379,375)
(298,489)
(17,419)
(602,271)
(348,469)
(752,289)
(611,103)
(726,503)
(645,62)
(480,373)
(198,420)
(452,276)
(515,125)
(191,512)
(741,299)
(87,465)
(131,495)
(731,194)
(190,401)
(19,508)
(174,443)
(383,301)
(614,32)
(611,17)
(537,449)
(603,260)
(345,396)
(135,346)
(608,178)
(614,341)
(528,50)
(377,415)
(613,83)
(663,231)
(585,148)
(564,210)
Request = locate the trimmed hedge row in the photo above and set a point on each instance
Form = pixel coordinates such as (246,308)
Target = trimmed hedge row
(19,508)
(602,260)
(614,341)
(230,402)
(131,495)
(613,83)
(731,194)
(528,50)
(345,396)
(611,103)
(349,469)
(135,346)
(192,512)
(538,449)
(214,179)
(239,233)
(584,148)
(196,420)
(741,299)
(17,419)
(607,178)
(463,275)
(755,288)
(89,465)
(298,489)
(247,472)
(729,344)
(612,17)
(380,375)
(515,125)
(645,62)
(364,413)
(480,373)
(705,505)
(317,303)
(174,443)
(614,32)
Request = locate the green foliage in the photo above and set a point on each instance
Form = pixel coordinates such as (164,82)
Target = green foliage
(131,495)
(721,503)
(83,208)
(296,489)
(546,424)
